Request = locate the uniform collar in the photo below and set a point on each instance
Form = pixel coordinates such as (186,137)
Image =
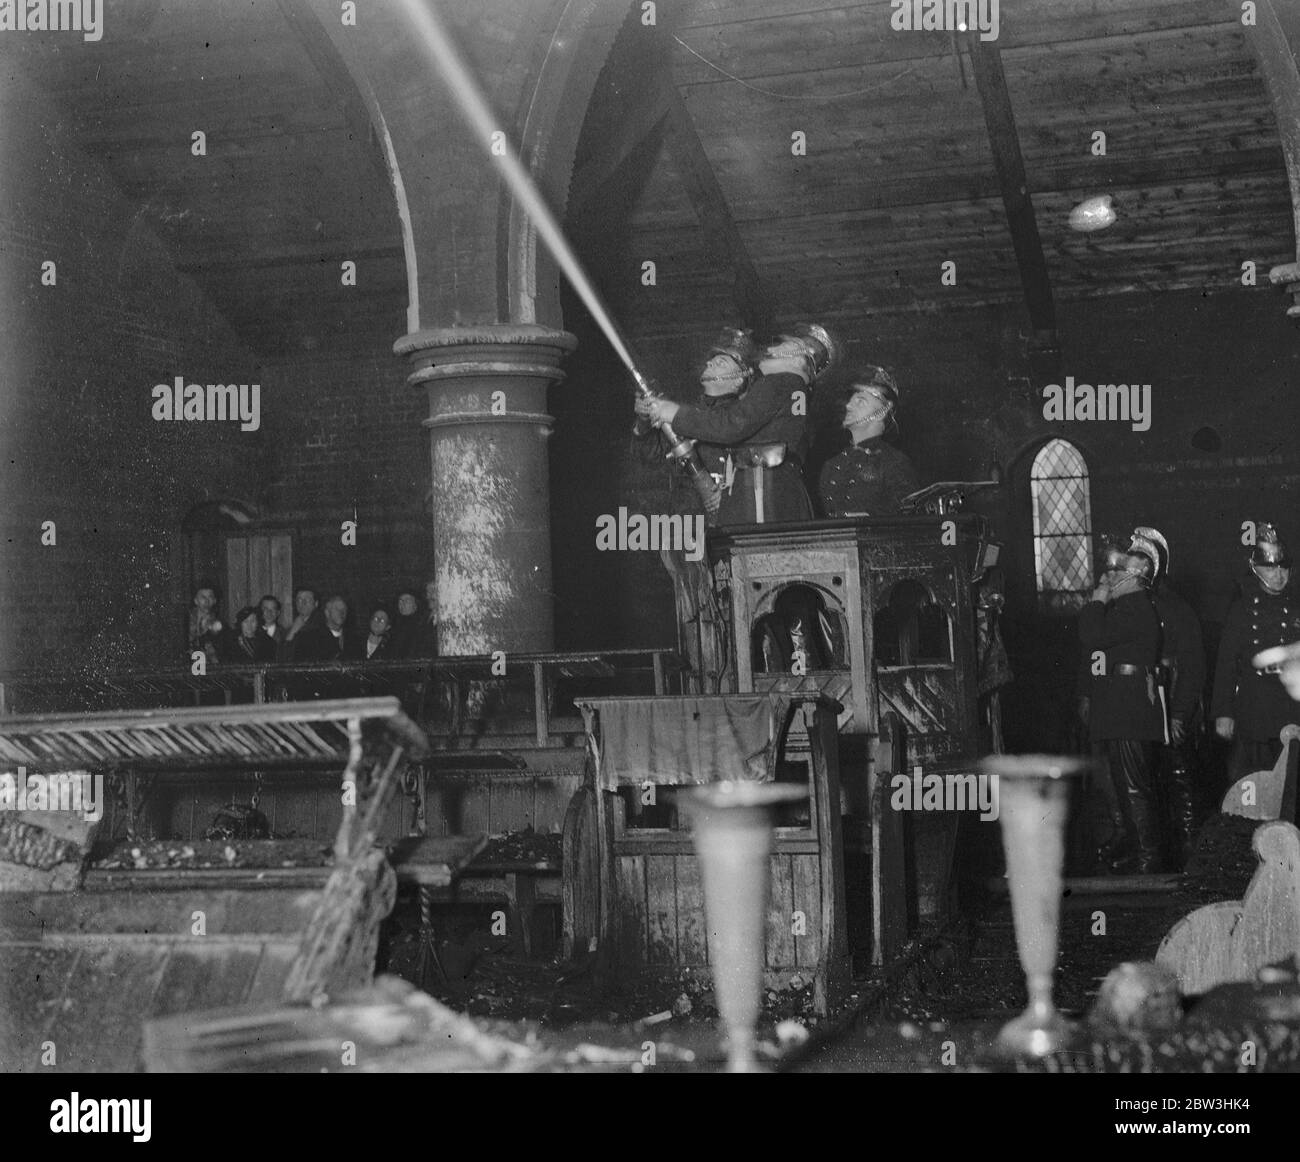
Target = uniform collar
(1139,592)
(1270,595)
(870,444)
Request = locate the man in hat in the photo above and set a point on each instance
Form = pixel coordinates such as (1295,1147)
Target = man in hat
(1182,660)
(727,375)
(1120,634)
(870,477)
(762,431)
(1250,706)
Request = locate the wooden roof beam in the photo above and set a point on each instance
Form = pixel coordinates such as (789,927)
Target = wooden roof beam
(722,237)
(634,119)
(1275,39)
(633,133)
(1009,162)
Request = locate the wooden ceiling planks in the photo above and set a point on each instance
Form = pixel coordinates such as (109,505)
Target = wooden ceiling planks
(286,179)
(901,175)
(892,174)
(771,30)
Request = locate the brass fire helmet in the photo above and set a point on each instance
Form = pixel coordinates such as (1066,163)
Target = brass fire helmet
(821,348)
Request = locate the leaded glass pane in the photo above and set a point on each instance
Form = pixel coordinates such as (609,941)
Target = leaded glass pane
(1062,519)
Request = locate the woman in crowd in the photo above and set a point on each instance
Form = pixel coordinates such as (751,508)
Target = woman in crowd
(245,644)
(378,645)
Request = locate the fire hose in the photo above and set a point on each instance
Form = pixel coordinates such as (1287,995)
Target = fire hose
(685,454)
(469,100)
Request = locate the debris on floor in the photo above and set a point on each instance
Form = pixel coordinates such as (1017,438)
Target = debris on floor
(158,854)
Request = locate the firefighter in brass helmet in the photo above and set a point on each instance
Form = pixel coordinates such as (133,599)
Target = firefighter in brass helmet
(870,477)
(1250,706)
(1182,664)
(728,371)
(1119,630)
(760,434)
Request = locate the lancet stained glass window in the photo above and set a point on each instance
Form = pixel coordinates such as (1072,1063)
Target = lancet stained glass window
(1058,483)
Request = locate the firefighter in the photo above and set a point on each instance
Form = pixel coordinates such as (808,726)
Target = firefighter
(1250,706)
(727,375)
(1182,661)
(870,477)
(762,431)
(1120,634)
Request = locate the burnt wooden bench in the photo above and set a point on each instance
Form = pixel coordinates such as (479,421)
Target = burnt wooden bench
(122,943)
(492,877)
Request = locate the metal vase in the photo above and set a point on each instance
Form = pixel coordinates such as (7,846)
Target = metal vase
(1033,798)
(733,840)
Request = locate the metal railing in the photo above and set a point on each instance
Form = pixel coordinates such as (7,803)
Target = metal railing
(433,691)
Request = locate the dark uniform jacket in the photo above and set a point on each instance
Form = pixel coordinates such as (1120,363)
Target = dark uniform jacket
(763,416)
(1183,651)
(714,456)
(1127,633)
(871,477)
(1257,702)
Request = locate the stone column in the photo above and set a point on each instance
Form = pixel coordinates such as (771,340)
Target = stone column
(488,427)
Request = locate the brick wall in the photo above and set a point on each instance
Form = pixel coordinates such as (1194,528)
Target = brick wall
(347,443)
(340,430)
(79,360)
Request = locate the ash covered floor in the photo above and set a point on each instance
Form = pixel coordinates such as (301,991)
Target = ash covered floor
(962,985)
(937,1006)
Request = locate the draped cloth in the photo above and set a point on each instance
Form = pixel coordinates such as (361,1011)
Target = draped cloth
(691,739)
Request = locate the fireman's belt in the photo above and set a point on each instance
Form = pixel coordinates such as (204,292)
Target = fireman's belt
(758,455)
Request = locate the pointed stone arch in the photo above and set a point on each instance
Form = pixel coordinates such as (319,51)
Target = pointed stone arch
(485,336)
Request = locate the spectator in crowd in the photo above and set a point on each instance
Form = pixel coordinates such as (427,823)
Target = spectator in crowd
(269,618)
(205,625)
(376,648)
(424,641)
(401,637)
(330,641)
(307,619)
(244,643)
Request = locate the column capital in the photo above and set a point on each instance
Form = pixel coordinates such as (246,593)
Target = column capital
(485,342)
(519,351)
